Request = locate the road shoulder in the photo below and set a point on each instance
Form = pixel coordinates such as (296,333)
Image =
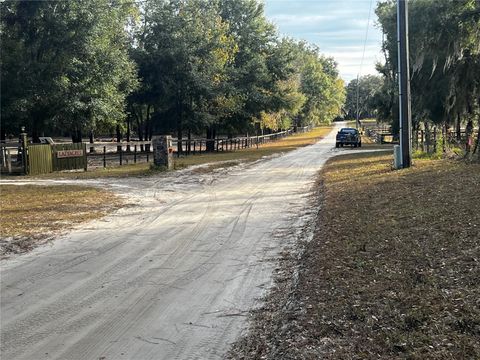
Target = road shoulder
(391,271)
(31,215)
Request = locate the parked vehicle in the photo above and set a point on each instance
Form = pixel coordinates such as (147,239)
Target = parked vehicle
(348,136)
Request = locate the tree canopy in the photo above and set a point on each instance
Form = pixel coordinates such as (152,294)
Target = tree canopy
(366,87)
(65,65)
(183,66)
(444,60)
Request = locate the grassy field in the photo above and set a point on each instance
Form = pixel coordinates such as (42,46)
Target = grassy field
(227,158)
(30,213)
(392,272)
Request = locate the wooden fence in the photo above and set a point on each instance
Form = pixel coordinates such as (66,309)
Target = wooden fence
(121,153)
(69,156)
(39,159)
(11,159)
(45,158)
(381,135)
(421,139)
(197,146)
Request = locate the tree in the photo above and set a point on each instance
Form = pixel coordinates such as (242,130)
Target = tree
(444,55)
(62,52)
(368,87)
(324,91)
(184,49)
(255,69)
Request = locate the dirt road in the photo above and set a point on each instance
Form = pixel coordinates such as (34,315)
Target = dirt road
(173,278)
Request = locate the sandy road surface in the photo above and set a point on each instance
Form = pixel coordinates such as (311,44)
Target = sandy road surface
(172,279)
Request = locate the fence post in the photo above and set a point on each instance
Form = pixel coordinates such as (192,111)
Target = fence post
(135,154)
(9,161)
(104,156)
(194,146)
(422,140)
(444,136)
(24,145)
(148,153)
(85,158)
(121,159)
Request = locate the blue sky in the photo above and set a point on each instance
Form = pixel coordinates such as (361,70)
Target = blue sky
(337,26)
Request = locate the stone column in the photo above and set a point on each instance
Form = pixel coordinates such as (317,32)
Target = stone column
(163,151)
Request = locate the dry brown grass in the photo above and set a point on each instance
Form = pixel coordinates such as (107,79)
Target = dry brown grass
(392,273)
(228,158)
(29,214)
(248,155)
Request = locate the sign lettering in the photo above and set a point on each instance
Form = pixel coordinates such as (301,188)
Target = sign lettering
(69,153)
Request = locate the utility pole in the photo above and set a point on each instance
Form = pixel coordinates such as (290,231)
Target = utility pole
(404,84)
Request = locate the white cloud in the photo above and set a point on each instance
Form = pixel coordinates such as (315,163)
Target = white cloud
(337,27)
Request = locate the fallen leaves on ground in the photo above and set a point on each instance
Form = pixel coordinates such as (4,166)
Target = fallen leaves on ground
(391,273)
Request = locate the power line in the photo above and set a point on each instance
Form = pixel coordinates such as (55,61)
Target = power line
(361,63)
(366,36)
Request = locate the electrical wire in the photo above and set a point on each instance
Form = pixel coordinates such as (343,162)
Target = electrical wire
(363,59)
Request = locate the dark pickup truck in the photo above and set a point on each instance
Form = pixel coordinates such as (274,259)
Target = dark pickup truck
(348,136)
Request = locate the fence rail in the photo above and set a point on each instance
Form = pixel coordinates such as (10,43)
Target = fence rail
(11,160)
(421,139)
(428,141)
(103,154)
(108,153)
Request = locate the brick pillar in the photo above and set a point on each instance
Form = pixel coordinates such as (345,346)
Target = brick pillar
(162,151)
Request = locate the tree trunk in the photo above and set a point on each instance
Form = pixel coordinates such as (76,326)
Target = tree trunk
(444,138)
(427,136)
(148,129)
(77,136)
(478,134)
(139,121)
(179,140)
(179,133)
(478,139)
(36,127)
(458,128)
(92,140)
(119,139)
(128,132)
(210,145)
